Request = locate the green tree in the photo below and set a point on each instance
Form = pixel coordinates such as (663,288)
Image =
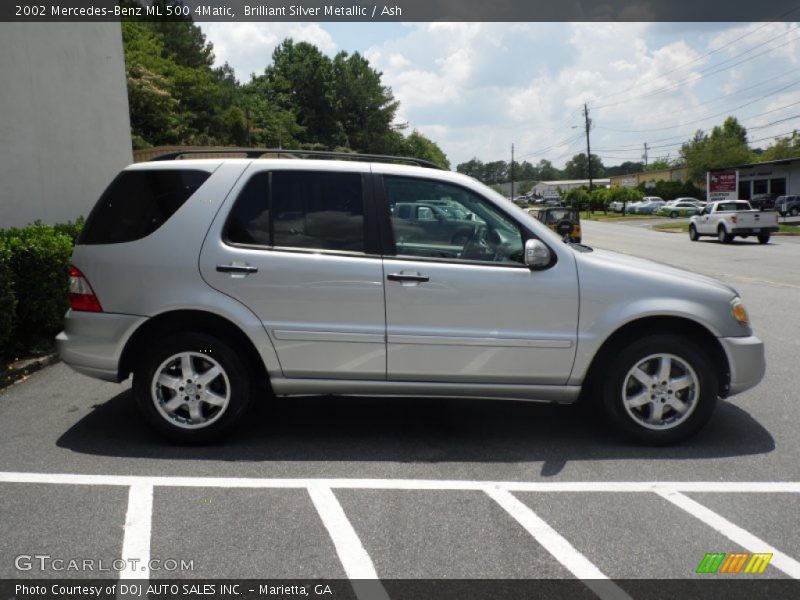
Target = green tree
(364,107)
(783,147)
(547,172)
(576,167)
(473,167)
(419,146)
(300,80)
(725,146)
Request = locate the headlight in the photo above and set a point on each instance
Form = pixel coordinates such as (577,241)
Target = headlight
(739,312)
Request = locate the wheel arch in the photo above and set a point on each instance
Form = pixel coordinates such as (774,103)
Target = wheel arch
(646,326)
(194,321)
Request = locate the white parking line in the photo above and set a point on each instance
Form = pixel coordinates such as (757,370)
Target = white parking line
(407,484)
(354,558)
(356,561)
(136,540)
(733,532)
(558,546)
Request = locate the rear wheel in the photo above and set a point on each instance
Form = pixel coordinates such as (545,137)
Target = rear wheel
(192,388)
(693,235)
(763,238)
(793,211)
(723,236)
(659,390)
(673,215)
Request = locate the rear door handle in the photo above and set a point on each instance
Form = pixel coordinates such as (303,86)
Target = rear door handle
(407,277)
(236,269)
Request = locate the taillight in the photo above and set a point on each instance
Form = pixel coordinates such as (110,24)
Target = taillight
(733,218)
(81,294)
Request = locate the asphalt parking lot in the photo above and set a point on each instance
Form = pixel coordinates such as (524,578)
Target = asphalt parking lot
(445,489)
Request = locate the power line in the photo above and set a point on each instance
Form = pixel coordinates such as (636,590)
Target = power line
(704,73)
(779,19)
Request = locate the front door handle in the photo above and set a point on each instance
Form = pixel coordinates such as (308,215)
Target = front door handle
(408,277)
(236,269)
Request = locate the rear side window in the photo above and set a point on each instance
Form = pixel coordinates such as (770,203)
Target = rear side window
(139,202)
(300,209)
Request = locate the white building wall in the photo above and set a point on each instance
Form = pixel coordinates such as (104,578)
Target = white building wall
(64,122)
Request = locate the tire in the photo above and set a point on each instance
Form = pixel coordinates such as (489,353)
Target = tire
(673,215)
(763,238)
(216,378)
(660,414)
(793,212)
(693,235)
(723,236)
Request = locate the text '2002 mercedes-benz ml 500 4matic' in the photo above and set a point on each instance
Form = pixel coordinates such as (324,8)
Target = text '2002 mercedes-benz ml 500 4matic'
(206,277)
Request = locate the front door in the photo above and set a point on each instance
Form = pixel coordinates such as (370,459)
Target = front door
(469,310)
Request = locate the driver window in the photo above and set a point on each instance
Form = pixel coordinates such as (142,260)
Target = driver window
(468,227)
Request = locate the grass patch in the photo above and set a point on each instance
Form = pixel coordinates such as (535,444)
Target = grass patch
(611,216)
(683,227)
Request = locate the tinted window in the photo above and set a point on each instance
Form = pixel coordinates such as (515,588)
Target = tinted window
(139,202)
(318,210)
(248,222)
(306,210)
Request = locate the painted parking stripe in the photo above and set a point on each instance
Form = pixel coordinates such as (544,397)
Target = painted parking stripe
(136,540)
(354,558)
(558,546)
(733,532)
(407,484)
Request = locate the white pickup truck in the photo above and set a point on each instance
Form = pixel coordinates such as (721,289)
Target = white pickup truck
(727,219)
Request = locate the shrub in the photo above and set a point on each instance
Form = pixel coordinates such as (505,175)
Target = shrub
(39,260)
(71,229)
(8,300)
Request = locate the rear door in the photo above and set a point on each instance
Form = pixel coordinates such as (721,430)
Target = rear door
(470,310)
(296,248)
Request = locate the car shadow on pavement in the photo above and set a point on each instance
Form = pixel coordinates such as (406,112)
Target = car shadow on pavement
(325,428)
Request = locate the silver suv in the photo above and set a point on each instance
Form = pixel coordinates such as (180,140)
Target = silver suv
(205,278)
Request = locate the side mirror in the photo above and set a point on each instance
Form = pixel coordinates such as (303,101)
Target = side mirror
(537,255)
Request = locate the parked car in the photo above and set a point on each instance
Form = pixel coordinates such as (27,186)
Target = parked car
(731,218)
(678,208)
(217,282)
(763,201)
(565,221)
(647,207)
(788,205)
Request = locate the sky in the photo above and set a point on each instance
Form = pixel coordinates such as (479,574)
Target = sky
(477,88)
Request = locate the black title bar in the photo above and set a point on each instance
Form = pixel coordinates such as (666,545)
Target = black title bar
(405,10)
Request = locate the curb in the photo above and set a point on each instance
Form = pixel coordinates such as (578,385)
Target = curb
(21,369)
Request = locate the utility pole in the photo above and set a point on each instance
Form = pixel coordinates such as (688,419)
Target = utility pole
(645,154)
(512,172)
(588,147)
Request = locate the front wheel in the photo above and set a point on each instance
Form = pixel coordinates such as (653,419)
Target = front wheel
(673,215)
(693,235)
(793,212)
(660,390)
(192,388)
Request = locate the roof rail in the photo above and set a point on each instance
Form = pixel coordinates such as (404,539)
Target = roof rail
(295,153)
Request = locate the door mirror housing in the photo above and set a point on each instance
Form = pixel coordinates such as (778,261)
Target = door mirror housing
(537,255)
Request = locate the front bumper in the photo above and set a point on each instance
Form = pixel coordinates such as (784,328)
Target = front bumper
(92,343)
(746,361)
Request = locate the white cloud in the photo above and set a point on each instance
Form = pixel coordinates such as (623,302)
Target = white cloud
(476,88)
(248,46)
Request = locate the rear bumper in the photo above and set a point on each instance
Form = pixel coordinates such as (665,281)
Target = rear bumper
(746,361)
(92,343)
(754,231)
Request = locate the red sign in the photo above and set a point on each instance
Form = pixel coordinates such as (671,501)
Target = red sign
(722,185)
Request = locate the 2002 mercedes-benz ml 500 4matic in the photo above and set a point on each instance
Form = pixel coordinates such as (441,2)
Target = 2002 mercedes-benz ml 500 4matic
(204,278)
